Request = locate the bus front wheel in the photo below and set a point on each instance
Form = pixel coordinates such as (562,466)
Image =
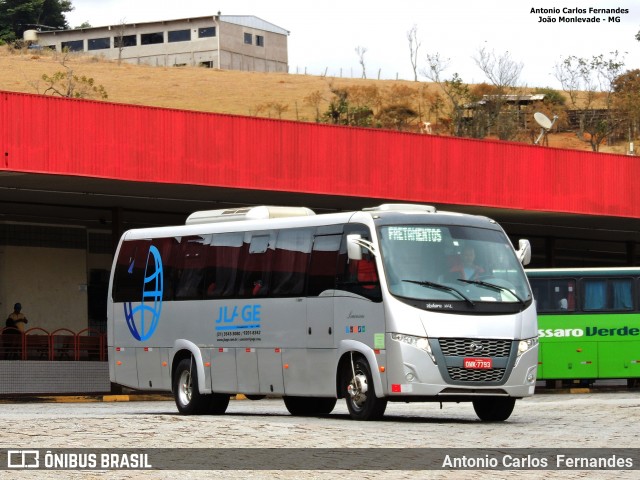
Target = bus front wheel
(494,409)
(358,390)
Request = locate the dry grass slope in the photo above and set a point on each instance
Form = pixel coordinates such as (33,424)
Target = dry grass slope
(200,89)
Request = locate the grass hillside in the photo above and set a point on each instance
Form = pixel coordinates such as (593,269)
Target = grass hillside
(275,95)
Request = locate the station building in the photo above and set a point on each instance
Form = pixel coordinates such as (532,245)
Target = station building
(230,42)
(70,187)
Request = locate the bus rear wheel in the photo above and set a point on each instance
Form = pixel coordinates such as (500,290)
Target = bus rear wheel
(494,409)
(185,388)
(308,406)
(188,398)
(217,403)
(358,390)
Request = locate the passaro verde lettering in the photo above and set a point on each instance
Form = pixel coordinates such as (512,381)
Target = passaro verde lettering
(613,332)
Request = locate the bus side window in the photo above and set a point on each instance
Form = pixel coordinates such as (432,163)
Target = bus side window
(223,260)
(359,276)
(257,265)
(608,294)
(595,294)
(129,273)
(190,261)
(291,257)
(621,294)
(554,295)
(167,247)
(323,264)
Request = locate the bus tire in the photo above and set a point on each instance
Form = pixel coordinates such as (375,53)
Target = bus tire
(359,392)
(308,406)
(324,406)
(494,409)
(218,403)
(188,398)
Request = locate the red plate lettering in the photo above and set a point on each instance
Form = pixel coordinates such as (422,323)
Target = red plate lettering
(478,363)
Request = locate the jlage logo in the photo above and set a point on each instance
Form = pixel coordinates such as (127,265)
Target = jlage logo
(142,319)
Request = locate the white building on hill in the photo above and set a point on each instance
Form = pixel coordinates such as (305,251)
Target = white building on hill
(229,42)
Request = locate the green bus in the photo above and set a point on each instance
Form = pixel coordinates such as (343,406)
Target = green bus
(588,323)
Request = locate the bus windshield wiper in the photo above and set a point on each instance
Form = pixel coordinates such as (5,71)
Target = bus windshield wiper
(492,286)
(438,286)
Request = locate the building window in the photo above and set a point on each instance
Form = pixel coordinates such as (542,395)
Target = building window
(98,43)
(206,32)
(151,38)
(260,40)
(248,38)
(125,41)
(179,36)
(73,46)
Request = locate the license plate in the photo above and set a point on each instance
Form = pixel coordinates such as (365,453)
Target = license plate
(478,363)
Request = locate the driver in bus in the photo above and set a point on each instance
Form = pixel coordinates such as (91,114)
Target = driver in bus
(468,269)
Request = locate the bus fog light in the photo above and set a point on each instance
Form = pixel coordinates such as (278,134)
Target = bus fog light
(531,377)
(410,377)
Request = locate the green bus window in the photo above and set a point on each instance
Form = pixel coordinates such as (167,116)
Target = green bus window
(595,294)
(622,294)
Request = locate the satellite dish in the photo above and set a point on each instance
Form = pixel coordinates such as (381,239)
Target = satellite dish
(542,120)
(546,124)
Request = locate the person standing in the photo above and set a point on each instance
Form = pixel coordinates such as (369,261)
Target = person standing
(17,318)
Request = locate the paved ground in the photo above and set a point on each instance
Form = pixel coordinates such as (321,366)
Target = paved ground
(591,420)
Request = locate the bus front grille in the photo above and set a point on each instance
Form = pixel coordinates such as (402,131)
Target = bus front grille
(466,375)
(465,347)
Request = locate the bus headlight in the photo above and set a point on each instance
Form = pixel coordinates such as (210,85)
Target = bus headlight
(527,344)
(419,342)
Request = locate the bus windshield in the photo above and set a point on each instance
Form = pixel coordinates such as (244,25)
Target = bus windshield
(452,263)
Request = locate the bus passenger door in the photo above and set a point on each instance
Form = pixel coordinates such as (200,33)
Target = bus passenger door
(320,357)
(321,289)
(358,312)
(320,322)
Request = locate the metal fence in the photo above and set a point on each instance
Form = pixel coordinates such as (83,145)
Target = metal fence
(60,345)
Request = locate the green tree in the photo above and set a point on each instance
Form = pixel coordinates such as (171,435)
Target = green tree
(455,90)
(65,83)
(344,111)
(626,92)
(16,16)
(397,110)
(503,74)
(589,83)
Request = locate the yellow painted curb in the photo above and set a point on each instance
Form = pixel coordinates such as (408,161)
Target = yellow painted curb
(579,390)
(73,399)
(115,398)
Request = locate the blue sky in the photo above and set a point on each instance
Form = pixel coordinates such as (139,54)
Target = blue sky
(324,35)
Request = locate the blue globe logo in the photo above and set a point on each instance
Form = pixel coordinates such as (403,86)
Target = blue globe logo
(142,319)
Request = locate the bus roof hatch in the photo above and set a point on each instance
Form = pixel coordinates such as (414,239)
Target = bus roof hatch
(401,207)
(246,213)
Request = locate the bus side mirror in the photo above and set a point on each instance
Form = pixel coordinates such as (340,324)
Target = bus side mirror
(354,250)
(524,251)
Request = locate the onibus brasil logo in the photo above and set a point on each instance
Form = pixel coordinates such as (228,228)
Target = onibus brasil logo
(142,319)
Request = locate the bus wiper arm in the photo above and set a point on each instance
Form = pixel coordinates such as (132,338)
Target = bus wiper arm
(438,286)
(492,286)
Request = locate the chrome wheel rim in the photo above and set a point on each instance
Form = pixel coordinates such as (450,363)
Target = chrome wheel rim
(185,388)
